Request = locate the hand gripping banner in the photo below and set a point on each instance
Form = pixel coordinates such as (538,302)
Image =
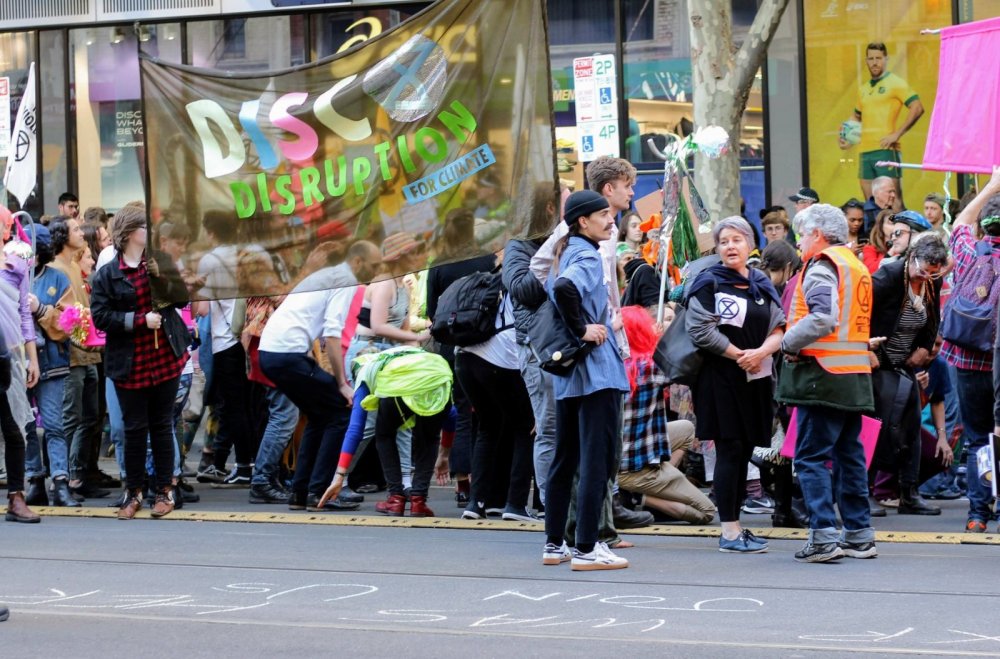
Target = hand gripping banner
(429,139)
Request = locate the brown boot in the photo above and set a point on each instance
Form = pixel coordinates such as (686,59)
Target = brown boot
(418,507)
(18,511)
(132,505)
(394,505)
(164,504)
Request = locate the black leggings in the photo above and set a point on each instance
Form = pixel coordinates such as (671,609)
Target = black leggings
(730,480)
(14,445)
(392,412)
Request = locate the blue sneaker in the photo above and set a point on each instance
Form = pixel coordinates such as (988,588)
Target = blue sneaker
(741,545)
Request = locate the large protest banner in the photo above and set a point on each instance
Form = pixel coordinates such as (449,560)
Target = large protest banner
(445,115)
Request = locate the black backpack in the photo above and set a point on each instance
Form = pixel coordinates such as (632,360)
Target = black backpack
(467,310)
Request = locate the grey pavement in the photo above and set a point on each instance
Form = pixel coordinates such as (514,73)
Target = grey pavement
(103,588)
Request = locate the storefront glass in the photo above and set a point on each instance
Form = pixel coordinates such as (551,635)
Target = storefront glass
(839,79)
(57,151)
(263,43)
(107,108)
(17,50)
(335,32)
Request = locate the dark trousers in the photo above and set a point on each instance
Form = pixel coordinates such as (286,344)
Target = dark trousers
(730,480)
(315,393)
(231,399)
(505,417)
(467,423)
(426,434)
(148,413)
(13,445)
(587,432)
(975,399)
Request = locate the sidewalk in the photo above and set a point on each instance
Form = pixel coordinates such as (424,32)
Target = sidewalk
(219,504)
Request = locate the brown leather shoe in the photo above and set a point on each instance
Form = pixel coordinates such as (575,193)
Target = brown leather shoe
(18,511)
(132,505)
(164,503)
(418,507)
(394,505)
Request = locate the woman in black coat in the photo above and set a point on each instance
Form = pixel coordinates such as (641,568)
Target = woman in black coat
(906,312)
(146,351)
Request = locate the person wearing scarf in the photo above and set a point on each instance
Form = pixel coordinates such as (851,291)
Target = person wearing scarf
(735,317)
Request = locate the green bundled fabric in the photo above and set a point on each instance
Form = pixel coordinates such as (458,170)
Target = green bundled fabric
(683,240)
(421,379)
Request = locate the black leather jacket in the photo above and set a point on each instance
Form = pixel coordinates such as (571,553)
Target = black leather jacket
(113,309)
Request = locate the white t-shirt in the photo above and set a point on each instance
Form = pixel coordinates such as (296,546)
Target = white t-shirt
(218,269)
(501,348)
(318,306)
(106,256)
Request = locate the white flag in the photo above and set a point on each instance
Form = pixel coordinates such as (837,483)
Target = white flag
(22,168)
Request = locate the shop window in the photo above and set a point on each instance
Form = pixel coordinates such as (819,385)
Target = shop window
(335,32)
(17,50)
(261,43)
(839,78)
(106,109)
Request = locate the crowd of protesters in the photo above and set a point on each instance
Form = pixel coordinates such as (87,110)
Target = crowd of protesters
(830,316)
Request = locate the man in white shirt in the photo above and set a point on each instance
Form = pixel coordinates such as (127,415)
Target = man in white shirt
(229,390)
(316,308)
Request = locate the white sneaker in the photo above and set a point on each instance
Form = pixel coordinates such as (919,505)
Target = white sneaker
(553,555)
(601,558)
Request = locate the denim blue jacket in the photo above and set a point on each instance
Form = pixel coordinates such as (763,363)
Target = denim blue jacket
(53,356)
(603,368)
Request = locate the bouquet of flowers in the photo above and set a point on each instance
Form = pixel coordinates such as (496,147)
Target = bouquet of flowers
(75,322)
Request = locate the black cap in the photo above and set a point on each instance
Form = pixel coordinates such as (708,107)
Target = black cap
(805,194)
(582,202)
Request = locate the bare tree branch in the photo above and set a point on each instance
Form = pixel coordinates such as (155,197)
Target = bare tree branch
(751,53)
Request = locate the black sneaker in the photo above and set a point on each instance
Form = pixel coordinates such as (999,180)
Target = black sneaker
(518,514)
(858,549)
(267,494)
(350,496)
(474,511)
(210,474)
(239,477)
(297,500)
(312,504)
(821,553)
(762,505)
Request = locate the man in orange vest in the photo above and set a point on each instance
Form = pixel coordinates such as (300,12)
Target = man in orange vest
(827,376)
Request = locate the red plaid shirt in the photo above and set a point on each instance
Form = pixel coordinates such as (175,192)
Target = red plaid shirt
(154,361)
(963,250)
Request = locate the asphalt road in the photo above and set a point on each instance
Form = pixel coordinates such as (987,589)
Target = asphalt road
(102,588)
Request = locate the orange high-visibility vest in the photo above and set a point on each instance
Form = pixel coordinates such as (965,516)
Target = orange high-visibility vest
(845,350)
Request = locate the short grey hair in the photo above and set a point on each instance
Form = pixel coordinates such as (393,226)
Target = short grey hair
(880,182)
(830,221)
(736,223)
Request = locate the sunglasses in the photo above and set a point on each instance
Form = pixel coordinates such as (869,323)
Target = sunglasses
(924,274)
(898,233)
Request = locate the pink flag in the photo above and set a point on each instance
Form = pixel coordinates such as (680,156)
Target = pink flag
(964,134)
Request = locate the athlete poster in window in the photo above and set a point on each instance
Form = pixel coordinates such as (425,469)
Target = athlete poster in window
(387,137)
(871,79)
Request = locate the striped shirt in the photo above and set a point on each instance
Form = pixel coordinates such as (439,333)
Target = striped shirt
(899,347)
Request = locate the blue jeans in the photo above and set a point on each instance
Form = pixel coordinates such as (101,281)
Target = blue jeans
(543,404)
(116,423)
(824,434)
(50,394)
(80,422)
(282,417)
(975,399)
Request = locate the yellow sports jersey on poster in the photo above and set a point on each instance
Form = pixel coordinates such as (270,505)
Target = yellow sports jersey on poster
(879,103)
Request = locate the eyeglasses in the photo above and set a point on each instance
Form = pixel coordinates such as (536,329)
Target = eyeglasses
(898,233)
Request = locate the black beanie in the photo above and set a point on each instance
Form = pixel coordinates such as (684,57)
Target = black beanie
(583,202)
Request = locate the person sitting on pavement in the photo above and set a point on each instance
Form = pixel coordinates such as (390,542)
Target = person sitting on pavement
(410,387)
(827,375)
(646,468)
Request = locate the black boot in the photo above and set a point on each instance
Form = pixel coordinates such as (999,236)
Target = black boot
(628,519)
(61,496)
(36,494)
(911,503)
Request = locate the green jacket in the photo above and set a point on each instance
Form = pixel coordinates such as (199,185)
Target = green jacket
(806,383)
